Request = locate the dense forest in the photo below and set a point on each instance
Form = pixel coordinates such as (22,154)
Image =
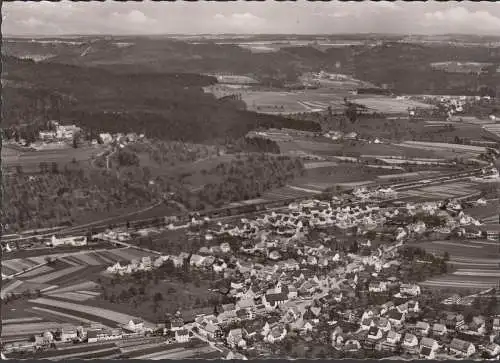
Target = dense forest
(165,106)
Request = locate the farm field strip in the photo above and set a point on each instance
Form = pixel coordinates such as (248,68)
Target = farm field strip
(126,254)
(477,273)
(455,244)
(91,310)
(166,350)
(6,270)
(71,295)
(101,259)
(183,354)
(79,286)
(10,288)
(306,190)
(56,274)
(24,328)
(68,316)
(459,284)
(87,259)
(37,271)
(320,164)
(39,259)
(81,355)
(72,260)
(21,320)
(13,265)
(111,256)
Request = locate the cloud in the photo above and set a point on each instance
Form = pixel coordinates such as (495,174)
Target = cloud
(134,16)
(240,20)
(461,20)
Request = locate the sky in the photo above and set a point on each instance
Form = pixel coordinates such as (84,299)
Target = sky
(242,17)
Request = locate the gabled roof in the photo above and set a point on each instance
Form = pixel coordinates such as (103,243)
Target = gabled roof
(460,345)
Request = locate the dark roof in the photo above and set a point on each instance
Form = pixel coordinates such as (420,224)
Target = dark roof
(276,297)
(373,330)
(396,315)
(425,351)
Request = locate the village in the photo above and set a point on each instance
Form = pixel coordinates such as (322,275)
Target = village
(317,279)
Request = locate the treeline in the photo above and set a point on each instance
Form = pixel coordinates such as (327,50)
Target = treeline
(255,144)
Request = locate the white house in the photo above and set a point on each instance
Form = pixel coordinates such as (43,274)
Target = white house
(462,348)
(410,289)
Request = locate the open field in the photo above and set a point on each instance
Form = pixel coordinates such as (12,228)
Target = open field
(389,105)
(449,190)
(118,318)
(474,261)
(284,102)
(30,160)
(70,276)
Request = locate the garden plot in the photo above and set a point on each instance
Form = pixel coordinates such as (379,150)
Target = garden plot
(56,274)
(90,310)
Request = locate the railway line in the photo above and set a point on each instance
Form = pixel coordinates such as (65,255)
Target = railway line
(221,214)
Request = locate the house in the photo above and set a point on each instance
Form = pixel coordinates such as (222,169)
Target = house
(413,306)
(391,341)
(211,331)
(396,318)
(384,308)
(428,348)
(409,289)
(374,334)
(380,286)
(235,356)
(227,317)
(410,343)
(492,232)
(493,350)
(174,323)
(496,324)
(272,301)
(462,348)
(235,338)
(384,324)
(454,321)
(366,324)
(182,336)
(67,334)
(403,308)
(352,345)
(245,314)
(439,329)
(135,325)
(277,334)
(477,326)
(225,247)
(92,336)
(422,328)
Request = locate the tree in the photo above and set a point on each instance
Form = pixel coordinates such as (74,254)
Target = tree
(55,169)
(75,142)
(158,297)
